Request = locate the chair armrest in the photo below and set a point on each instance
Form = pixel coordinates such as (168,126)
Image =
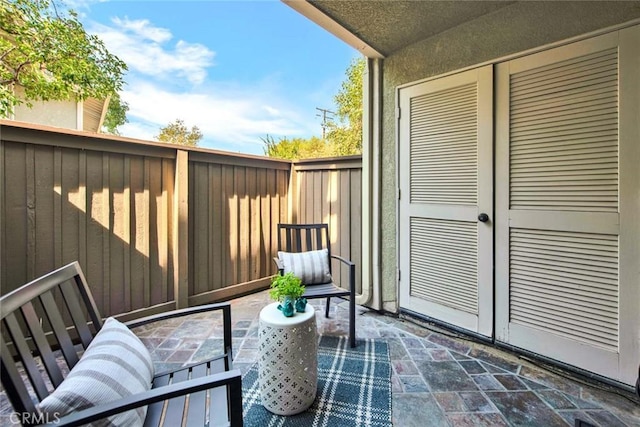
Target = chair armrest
(232,378)
(279,265)
(226,319)
(343,260)
(352,274)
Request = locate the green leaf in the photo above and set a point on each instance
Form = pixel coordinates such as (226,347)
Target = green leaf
(49,54)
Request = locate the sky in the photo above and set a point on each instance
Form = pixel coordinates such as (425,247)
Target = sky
(238,70)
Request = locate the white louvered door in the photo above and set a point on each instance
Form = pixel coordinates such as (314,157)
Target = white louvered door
(446,181)
(565,189)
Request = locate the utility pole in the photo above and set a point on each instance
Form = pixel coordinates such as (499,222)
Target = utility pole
(326,117)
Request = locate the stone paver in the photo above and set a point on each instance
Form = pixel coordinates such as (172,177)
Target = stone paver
(437,379)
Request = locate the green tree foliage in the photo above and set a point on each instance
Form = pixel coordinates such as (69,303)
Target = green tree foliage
(177,133)
(345,134)
(296,148)
(51,56)
(116,115)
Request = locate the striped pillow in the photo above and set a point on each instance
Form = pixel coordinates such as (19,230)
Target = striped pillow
(115,365)
(312,267)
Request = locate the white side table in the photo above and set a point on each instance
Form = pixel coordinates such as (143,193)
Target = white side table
(288,360)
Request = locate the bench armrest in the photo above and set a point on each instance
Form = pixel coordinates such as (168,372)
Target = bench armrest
(231,378)
(225,306)
(226,319)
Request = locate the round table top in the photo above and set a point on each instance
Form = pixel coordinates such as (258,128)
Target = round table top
(274,317)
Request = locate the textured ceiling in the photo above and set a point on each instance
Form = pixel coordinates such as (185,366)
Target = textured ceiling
(388,26)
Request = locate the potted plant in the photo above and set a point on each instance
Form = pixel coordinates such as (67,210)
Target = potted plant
(288,290)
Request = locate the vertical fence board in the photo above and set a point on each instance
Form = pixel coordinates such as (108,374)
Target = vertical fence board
(283,185)
(210,215)
(217,239)
(57,206)
(126,234)
(200,215)
(106,221)
(177,225)
(272,182)
(145,238)
(231,224)
(94,259)
(30,212)
(72,206)
(138,231)
(43,210)
(264,218)
(82,202)
(116,234)
(15,225)
(254,226)
(242,235)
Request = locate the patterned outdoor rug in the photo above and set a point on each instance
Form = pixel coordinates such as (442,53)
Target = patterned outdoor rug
(354,389)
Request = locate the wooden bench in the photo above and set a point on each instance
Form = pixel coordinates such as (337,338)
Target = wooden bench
(55,317)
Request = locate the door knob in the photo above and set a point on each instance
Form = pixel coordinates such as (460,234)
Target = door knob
(483,217)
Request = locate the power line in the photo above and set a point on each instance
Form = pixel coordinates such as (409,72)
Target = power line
(326,118)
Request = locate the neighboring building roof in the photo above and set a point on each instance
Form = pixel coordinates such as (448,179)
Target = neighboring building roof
(94,111)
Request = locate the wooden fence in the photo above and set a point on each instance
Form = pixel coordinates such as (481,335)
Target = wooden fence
(155,226)
(330,190)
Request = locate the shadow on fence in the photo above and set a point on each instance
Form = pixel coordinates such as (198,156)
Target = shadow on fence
(155,226)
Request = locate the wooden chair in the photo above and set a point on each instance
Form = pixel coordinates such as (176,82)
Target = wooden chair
(309,237)
(58,312)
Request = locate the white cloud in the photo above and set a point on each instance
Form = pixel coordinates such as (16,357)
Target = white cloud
(231,115)
(142,46)
(226,116)
(143,29)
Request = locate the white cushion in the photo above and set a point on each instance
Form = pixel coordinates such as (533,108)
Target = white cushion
(115,365)
(312,267)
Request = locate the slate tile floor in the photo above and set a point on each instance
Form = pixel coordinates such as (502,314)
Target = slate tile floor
(438,379)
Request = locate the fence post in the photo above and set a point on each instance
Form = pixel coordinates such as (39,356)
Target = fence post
(180,241)
(293,194)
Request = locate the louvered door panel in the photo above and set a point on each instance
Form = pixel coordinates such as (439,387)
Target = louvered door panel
(564,135)
(443,152)
(446,180)
(566,283)
(443,262)
(567,168)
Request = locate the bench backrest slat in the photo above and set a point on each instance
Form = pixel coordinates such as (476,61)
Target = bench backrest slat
(39,318)
(12,382)
(25,355)
(42,345)
(60,330)
(76,311)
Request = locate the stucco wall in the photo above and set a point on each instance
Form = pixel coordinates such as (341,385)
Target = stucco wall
(514,29)
(51,113)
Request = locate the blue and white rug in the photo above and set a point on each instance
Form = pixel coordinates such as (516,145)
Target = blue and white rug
(354,389)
